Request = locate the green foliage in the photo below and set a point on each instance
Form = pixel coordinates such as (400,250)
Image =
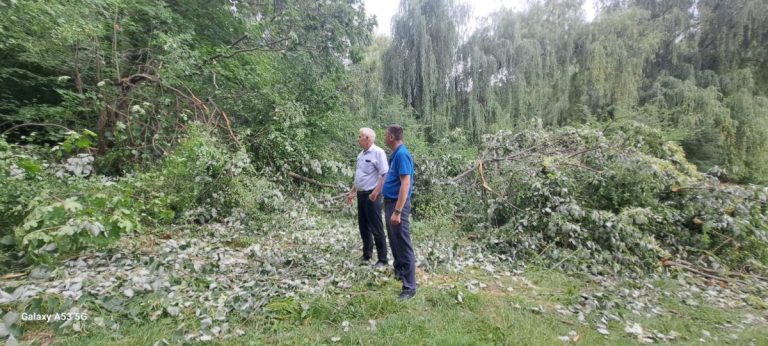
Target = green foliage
(135,71)
(190,172)
(749,154)
(191,182)
(54,204)
(433,198)
(419,60)
(714,130)
(76,142)
(613,202)
(733,33)
(286,135)
(68,225)
(364,87)
(694,69)
(254,198)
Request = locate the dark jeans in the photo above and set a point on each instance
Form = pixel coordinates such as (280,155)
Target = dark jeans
(400,241)
(371,226)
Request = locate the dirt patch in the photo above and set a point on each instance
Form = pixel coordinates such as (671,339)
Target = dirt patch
(41,338)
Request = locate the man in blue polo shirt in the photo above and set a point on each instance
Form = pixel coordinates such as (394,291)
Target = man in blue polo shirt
(397,190)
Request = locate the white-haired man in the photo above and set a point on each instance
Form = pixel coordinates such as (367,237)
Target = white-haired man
(371,168)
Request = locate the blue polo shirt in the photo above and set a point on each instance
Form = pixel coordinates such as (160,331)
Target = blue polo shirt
(400,163)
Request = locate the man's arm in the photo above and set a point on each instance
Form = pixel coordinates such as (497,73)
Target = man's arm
(405,184)
(376,191)
(383,168)
(351,194)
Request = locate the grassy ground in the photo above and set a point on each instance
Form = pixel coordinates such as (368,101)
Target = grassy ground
(435,317)
(517,309)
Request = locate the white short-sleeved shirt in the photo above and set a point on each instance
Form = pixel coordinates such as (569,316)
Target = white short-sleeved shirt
(371,164)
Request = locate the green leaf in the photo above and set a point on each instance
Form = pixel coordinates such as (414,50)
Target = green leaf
(126,225)
(83,142)
(8,240)
(37,235)
(90,133)
(70,204)
(67,230)
(30,165)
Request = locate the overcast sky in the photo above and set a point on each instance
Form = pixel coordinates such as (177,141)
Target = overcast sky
(385,9)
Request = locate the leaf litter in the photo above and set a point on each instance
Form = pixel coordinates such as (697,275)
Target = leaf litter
(211,276)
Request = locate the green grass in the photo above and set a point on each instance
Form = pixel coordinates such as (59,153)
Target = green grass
(432,317)
(435,317)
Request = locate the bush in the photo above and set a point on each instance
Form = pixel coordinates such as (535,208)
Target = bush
(254,198)
(53,202)
(433,197)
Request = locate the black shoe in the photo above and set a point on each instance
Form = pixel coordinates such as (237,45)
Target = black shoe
(406,294)
(380,265)
(364,260)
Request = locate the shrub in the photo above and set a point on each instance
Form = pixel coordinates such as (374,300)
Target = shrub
(53,202)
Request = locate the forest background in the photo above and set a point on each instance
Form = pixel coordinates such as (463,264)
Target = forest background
(629,145)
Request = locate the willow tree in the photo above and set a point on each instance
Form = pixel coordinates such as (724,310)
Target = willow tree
(617,49)
(418,63)
(473,90)
(750,150)
(733,34)
(695,68)
(519,66)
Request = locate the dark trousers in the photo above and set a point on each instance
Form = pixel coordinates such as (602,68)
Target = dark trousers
(400,242)
(371,226)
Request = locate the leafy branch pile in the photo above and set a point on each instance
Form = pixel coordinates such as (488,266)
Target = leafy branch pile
(617,200)
(56,205)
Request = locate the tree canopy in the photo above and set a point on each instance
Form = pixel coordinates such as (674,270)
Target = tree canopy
(696,68)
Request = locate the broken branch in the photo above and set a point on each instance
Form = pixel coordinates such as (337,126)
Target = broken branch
(310,180)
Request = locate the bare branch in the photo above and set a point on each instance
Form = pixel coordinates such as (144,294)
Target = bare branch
(245,50)
(311,181)
(34,124)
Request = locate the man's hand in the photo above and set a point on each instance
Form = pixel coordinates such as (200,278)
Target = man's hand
(373,196)
(395,219)
(350,197)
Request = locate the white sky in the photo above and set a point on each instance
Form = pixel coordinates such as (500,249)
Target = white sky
(385,9)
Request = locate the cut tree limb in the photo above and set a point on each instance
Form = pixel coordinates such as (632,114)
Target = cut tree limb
(482,177)
(704,273)
(252,49)
(310,180)
(12,276)
(33,124)
(729,274)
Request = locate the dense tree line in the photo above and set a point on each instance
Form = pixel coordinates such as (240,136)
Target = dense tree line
(135,72)
(696,69)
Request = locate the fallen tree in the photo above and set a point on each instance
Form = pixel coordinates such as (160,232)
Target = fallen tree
(606,201)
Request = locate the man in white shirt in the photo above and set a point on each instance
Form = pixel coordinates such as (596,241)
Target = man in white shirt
(371,168)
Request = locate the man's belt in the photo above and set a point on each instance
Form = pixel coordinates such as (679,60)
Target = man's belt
(390,200)
(364,192)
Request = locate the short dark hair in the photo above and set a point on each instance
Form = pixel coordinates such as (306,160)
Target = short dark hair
(396,131)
